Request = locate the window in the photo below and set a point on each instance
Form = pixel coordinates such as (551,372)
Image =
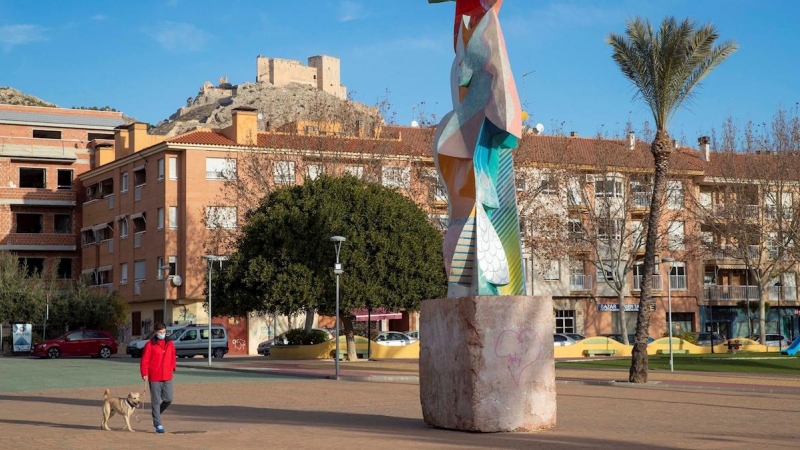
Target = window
(64,269)
(160,168)
(610,229)
(173,217)
(674,195)
(29,223)
(123,273)
(62,223)
(190,335)
(221,217)
(124,182)
(123,227)
(139,222)
(519,184)
(676,236)
(139,270)
(64,178)
(605,273)
(160,218)
(608,187)
(173,168)
(356,171)
(551,270)
(136,323)
(32,265)
(47,134)
(95,136)
(173,265)
(637,235)
(220,169)
(682,322)
(103,276)
(575,230)
(640,195)
(33,178)
(548,184)
(565,321)
(313,171)
(396,177)
(574,194)
(104,232)
(283,172)
(159,271)
(87,237)
(677,276)
(139,176)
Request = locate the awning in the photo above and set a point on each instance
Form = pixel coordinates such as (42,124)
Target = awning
(99,227)
(121,216)
(85,229)
(104,268)
(138,168)
(137,216)
(375,314)
(87,271)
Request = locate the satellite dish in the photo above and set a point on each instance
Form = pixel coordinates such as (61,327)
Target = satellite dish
(414,124)
(539,128)
(177,280)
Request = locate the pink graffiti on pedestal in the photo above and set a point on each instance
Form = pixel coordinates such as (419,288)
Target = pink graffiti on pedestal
(520,348)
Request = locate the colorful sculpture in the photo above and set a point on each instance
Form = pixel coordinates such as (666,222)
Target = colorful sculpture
(473,154)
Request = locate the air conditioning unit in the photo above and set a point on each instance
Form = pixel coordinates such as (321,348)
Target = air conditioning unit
(591,178)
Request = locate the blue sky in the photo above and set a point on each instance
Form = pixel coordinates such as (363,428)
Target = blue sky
(147,57)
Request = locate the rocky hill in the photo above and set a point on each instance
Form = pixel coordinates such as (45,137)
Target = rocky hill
(212,107)
(11,96)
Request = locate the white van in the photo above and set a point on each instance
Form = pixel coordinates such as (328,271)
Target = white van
(135,348)
(192,340)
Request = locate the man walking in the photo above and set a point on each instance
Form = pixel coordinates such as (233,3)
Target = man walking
(157,366)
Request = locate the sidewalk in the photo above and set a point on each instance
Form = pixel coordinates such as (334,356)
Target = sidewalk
(407,371)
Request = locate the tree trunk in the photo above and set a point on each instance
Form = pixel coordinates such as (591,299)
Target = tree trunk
(623,324)
(350,338)
(661,149)
(762,314)
(309,319)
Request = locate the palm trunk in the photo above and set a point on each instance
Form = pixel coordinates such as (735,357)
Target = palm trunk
(661,149)
(623,324)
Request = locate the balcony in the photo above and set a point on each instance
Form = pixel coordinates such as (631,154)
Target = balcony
(727,251)
(137,239)
(731,293)
(580,282)
(789,293)
(678,282)
(637,282)
(640,200)
(771,212)
(107,286)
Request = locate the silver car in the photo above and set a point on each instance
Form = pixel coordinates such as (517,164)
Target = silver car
(773,340)
(393,338)
(563,340)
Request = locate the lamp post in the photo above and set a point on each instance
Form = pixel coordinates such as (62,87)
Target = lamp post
(779,285)
(211,259)
(671,261)
(165,268)
(337,269)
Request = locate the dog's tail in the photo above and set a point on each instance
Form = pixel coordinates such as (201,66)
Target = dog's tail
(106,394)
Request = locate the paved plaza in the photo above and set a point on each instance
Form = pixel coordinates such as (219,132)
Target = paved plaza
(244,403)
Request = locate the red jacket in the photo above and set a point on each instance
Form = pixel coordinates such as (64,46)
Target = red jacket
(158,360)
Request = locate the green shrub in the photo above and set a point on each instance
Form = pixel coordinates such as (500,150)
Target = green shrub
(299,336)
(687,336)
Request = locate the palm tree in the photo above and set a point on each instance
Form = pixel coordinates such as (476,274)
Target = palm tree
(665,66)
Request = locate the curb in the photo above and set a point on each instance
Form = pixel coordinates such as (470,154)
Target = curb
(371,378)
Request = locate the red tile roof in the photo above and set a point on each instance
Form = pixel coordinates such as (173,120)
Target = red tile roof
(202,137)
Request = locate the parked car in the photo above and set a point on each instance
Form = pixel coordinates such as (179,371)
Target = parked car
(92,343)
(135,347)
(705,339)
(563,340)
(192,340)
(773,340)
(413,334)
(618,337)
(576,336)
(393,338)
(264,347)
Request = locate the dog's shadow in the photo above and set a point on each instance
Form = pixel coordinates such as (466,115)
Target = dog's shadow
(48,424)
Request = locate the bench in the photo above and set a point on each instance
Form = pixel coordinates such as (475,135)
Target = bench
(360,354)
(666,352)
(599,352)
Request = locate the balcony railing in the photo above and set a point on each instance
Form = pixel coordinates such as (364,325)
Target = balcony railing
(733,252)
(677,282)
(789,293)
(641,200)
(771,212)
(137,287)
(637,282)
(731,293)
(137,239)
(107,286)
(580,282)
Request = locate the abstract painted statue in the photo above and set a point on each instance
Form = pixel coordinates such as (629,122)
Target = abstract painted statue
(473,154)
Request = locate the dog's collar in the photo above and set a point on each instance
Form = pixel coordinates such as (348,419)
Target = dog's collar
(129,402)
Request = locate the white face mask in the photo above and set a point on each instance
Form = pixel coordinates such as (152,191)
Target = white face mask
(161,335)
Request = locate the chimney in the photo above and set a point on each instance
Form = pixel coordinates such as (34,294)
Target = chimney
(121,142)
(631,141)
(244,129)
(705,147)
(573,133)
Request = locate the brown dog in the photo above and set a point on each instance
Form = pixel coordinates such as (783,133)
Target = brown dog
(124,406)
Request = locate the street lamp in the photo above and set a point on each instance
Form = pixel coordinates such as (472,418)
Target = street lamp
(337,269)
(165,268)
(211,259)
(671,261)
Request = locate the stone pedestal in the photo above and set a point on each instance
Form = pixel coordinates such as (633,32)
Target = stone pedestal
(486,363)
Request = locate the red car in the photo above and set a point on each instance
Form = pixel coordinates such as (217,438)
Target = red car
(78,343)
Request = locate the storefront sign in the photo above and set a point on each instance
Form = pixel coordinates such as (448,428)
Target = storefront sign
(613,307)
(21,336)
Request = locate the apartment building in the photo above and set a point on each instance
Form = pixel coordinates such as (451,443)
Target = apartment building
(42,152)
(153,204)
